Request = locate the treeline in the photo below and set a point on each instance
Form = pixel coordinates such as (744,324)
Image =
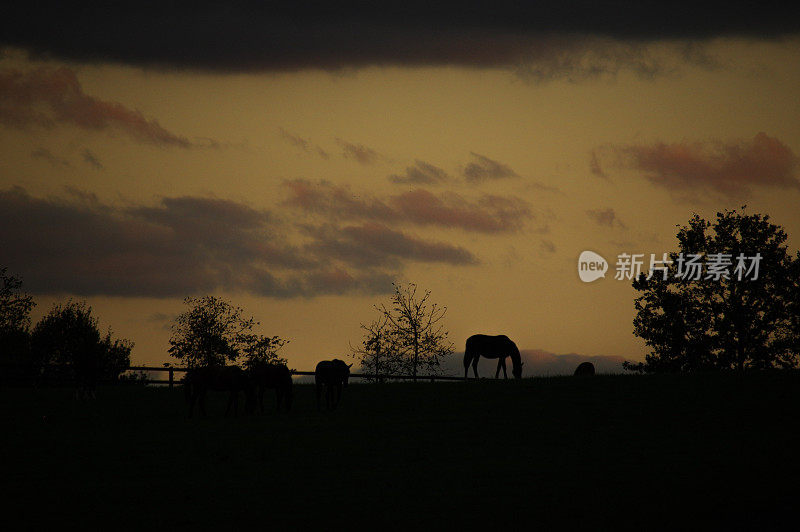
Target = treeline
(65,337)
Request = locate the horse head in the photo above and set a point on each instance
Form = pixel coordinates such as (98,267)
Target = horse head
(517,370)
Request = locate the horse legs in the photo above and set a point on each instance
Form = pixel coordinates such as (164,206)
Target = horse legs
(499,365)
(475,366)
(503,363)
(337,394)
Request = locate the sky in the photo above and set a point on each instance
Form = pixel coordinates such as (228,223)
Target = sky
(299,160)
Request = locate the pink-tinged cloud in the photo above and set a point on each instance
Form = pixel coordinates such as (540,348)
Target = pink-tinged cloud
(421,173)
(730,168)
(606,217)
(359,152)
(304,144)
(483,168)
(372,244)
(78,244)
(486,214)
(594,166)
(47,97)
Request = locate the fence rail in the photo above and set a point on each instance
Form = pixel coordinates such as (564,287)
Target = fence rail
(172,369)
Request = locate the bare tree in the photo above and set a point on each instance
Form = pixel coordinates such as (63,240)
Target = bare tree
(375,353)
(418,338)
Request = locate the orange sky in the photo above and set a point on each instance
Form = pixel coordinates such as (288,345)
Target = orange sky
(300,195)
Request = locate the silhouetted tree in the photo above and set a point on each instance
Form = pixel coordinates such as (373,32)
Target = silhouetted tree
(15,321)
(214,332)
(258,350)
(744,318)
(376,353)
(211,333)
(68,337)
(418,338)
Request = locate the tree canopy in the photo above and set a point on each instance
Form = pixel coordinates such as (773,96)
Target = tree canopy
(15,305)
(68,335)
(407,335)
(727,299)
(215,332)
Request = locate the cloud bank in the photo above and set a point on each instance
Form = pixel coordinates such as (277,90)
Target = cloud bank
(546,38)
(485,214)
(184,245)
(731,168)
(47,97)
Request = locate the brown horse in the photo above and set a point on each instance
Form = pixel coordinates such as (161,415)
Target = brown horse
(499,347)
(232,379)
(276,376)
(331,375)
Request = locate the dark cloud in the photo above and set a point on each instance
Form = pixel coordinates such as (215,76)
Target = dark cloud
(92,160)
(487,213)
(483,168)
(359,152)
(304,144)
(373,244)
(44,154)
(46,97)
(730,168)
(249,35)
(421,173)
(188,245)
(606,217)
(594,166)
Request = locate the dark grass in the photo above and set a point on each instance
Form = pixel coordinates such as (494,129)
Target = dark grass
(709,451)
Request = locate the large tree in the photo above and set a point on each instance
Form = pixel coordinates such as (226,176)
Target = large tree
(15,320)
(727,299)
(376,353)
(412,336)
(215,332)
(15,305)
(68,337)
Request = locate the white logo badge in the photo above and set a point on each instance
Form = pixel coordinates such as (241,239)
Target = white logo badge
(591,266)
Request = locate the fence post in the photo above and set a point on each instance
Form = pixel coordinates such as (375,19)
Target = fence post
(170,377)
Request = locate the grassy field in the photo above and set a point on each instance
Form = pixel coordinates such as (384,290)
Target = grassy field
(708,451)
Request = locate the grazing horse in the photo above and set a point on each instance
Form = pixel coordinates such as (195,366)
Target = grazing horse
(499,347)
(275,376)
(232,379)
(331,375)
(584,369)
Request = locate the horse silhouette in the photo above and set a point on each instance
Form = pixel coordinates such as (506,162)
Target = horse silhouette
(499,347)
(584,369)
(233,379)
(331,375)
(273,376)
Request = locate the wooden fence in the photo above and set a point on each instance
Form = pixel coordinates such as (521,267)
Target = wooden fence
(171,380)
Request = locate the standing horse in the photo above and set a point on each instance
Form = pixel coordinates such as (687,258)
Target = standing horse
(331,375)
(232,379)
(276,376)
(500,347)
